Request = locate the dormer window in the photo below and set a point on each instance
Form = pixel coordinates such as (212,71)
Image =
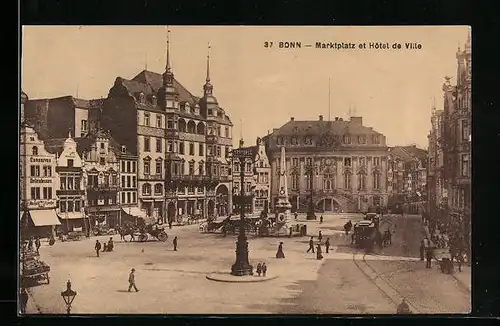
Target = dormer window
(362,139)
(295,129)
(294,141)
(346,139)
(153,100)
(308,140)
(209,112)
(187,108)
(280,141)
(124,149)
(142,98)
(197,110)
(376,139)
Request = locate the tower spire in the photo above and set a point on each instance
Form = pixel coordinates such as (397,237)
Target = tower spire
(208,64)
(168,68)
(329,99)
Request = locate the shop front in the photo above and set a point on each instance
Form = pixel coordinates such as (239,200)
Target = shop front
(38,223)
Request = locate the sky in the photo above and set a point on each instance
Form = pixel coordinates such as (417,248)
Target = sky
(260,88)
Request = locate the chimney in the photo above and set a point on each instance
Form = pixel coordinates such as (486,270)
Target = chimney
(336,118)
(241,142)
(357,121)
(320,117)
(292,119)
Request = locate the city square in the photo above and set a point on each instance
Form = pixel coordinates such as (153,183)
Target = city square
(175,282)
(277,183)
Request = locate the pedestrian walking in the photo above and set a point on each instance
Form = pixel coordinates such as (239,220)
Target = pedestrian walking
(321,219)
(259,269)
(111,245)
(320,236)
(280,253)
(296,215)
(327,244)
(311,245)
(291,232)
(403,308)
(175,243)
(97,247)
(264,269)
(23,300)
(428,256)
(422,250)
(37,245)
(131,281)
(319,252)
(170,224)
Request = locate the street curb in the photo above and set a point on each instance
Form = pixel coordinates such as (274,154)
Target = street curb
(228,278)
(31,302)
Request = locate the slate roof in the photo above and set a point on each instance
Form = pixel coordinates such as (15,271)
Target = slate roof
(150,82)
(54,145)
(303,128)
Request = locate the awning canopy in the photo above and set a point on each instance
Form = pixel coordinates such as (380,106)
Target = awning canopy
(136,212)
(44,217)
(70,216)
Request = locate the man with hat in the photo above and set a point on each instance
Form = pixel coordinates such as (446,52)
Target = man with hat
(131,281)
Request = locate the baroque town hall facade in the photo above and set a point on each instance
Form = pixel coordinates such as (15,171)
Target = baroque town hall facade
(181,142)
(341,164)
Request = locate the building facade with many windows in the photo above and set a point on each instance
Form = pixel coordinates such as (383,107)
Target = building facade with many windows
(436,186)
(341,164)
(101,179)
(38,184)
(457,143)
(180,140)
(128,180)
(70,191)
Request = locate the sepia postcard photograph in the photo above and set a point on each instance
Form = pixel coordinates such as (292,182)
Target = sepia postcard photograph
(226,170)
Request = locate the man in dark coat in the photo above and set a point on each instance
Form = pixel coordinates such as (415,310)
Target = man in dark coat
(327,244)
(403,308)
(280,253)
(428,255)
(97,247)
(175,243)
(311,245)
(422,250)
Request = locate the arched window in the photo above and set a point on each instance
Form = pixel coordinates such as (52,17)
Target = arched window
(158,189)
(191,127)
(347,180)
(361,181)
(182,125)
(200,128)
(376,180)
(35,150)
(146,189)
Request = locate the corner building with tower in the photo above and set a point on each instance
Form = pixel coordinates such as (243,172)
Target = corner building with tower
(181,142)
(331,165)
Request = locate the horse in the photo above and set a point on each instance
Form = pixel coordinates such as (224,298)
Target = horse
(126,229)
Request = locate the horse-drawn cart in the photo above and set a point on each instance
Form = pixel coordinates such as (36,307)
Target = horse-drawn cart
(443,257)
(141,231)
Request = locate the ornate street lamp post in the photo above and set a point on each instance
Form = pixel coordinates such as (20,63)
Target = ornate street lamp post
(68,296)
(309,169)
(242,266)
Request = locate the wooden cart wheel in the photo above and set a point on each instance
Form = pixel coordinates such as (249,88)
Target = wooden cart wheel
(143,237)
(162,236)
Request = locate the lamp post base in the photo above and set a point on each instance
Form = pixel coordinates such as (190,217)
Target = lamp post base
(241,267)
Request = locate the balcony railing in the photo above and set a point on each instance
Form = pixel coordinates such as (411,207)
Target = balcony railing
(212,139)
(172,133)
(103,187)
(153,177)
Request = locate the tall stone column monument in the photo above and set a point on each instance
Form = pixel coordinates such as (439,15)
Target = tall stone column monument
(283,206)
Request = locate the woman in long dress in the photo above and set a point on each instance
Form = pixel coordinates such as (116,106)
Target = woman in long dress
(279,253)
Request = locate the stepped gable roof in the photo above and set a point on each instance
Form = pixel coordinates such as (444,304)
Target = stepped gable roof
(302,128)
(151,82)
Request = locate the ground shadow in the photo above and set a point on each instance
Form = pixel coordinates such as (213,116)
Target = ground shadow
(123,291)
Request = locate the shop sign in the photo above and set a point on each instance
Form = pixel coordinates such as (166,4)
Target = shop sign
(40,180)
(41,203)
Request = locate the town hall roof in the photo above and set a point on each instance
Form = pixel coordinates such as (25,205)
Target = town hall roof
(303,128)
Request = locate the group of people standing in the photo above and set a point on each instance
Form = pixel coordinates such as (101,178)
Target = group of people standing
(107,246)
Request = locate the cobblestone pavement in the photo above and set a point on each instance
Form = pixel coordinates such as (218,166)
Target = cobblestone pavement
(175,282)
